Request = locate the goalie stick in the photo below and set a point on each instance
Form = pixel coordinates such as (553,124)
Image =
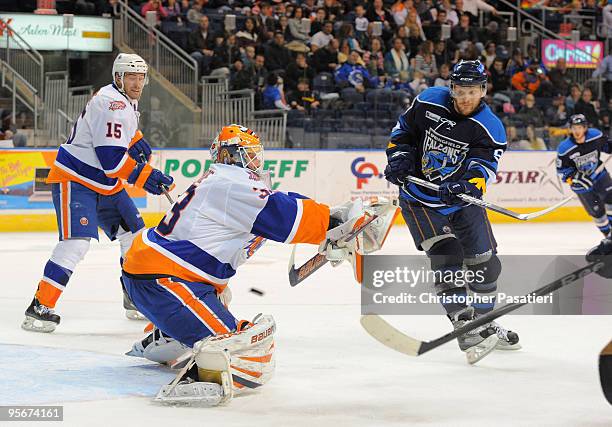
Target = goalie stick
(389,336)
(487,205)
(297,275)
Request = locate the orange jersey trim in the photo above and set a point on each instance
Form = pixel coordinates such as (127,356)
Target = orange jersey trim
(142,259)
(57,175)
(313,224)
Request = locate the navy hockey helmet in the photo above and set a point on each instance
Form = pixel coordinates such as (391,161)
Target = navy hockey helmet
(469,73)
(578,119)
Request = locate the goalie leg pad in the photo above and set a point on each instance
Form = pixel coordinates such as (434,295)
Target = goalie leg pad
(251,353)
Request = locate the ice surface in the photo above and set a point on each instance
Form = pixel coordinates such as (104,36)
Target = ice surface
(329,371)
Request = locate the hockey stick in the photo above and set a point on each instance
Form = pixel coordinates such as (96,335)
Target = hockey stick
(398,341)
(297,275)
(487,205)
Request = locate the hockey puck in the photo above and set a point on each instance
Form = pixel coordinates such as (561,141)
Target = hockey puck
(257,291)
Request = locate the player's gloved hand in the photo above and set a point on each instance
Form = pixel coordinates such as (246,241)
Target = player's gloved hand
(450,190)
(401,163)
(602,253)
(581,180)
(139,149)
(152,180)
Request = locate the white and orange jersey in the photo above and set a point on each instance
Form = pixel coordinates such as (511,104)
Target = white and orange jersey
(95,155)
(219,222)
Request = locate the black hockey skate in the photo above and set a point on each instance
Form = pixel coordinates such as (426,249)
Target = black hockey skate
(508,340)
(131,312)
(40,318)
(478,342)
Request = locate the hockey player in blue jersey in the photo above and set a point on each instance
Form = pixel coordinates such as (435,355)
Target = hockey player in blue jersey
(450,137)
(578,158)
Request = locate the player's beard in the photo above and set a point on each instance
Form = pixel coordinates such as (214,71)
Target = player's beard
(466,108)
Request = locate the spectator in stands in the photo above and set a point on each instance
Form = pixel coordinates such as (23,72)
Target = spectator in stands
(434,31)
(375,58)
(605,71)
(282,25)
(319,21)
(295,26)
(444,78)
(241,76)
(415,31)
(560,77)
(399,11)
(8,130)
(517,63)
(110,7)
(333,9)
(361,24)
(248,56)
(303,99)
(249,35)
(531,80)
(573,98)
(273,97)
(261,72)
(460,10)
(512,138)
(490,33)
(277,55)
(352,73)
(500,81)
(556,114)
(154,6)
(587,107)
(196,12)
(200,45)
(378,13)
(266,21)
(418,83)
(298,69)
(323,37)
(606,13)
(464,32)
(451,15)
(488,54)
(532,141)
(397,65)
(348,33)
(174,10)
(443,55)
(530,113)
(473,6)
(425,62)
(326,59)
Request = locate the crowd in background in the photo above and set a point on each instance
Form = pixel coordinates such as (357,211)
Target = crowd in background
(375,56)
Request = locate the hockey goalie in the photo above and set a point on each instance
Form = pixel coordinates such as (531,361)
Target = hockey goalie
(177,273)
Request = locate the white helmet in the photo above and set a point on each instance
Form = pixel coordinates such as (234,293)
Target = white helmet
(129,63)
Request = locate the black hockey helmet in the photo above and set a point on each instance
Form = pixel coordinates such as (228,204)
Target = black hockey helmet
(468,73)
(578,119)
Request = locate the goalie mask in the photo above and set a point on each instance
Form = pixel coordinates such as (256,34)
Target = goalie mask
(240,146)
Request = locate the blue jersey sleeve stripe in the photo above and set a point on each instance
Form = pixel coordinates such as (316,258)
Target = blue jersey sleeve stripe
(193,255)
(84,170)
(276,220)
(110,156)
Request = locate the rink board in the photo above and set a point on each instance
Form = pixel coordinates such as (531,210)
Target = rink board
(526,181)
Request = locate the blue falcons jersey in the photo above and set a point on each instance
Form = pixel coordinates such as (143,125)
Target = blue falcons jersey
(584,158)
(451,147)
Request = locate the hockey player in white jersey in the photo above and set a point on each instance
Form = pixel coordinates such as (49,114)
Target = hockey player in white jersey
(177,273)
(105,147)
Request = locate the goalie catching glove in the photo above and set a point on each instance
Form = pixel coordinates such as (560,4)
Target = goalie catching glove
(350,216)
